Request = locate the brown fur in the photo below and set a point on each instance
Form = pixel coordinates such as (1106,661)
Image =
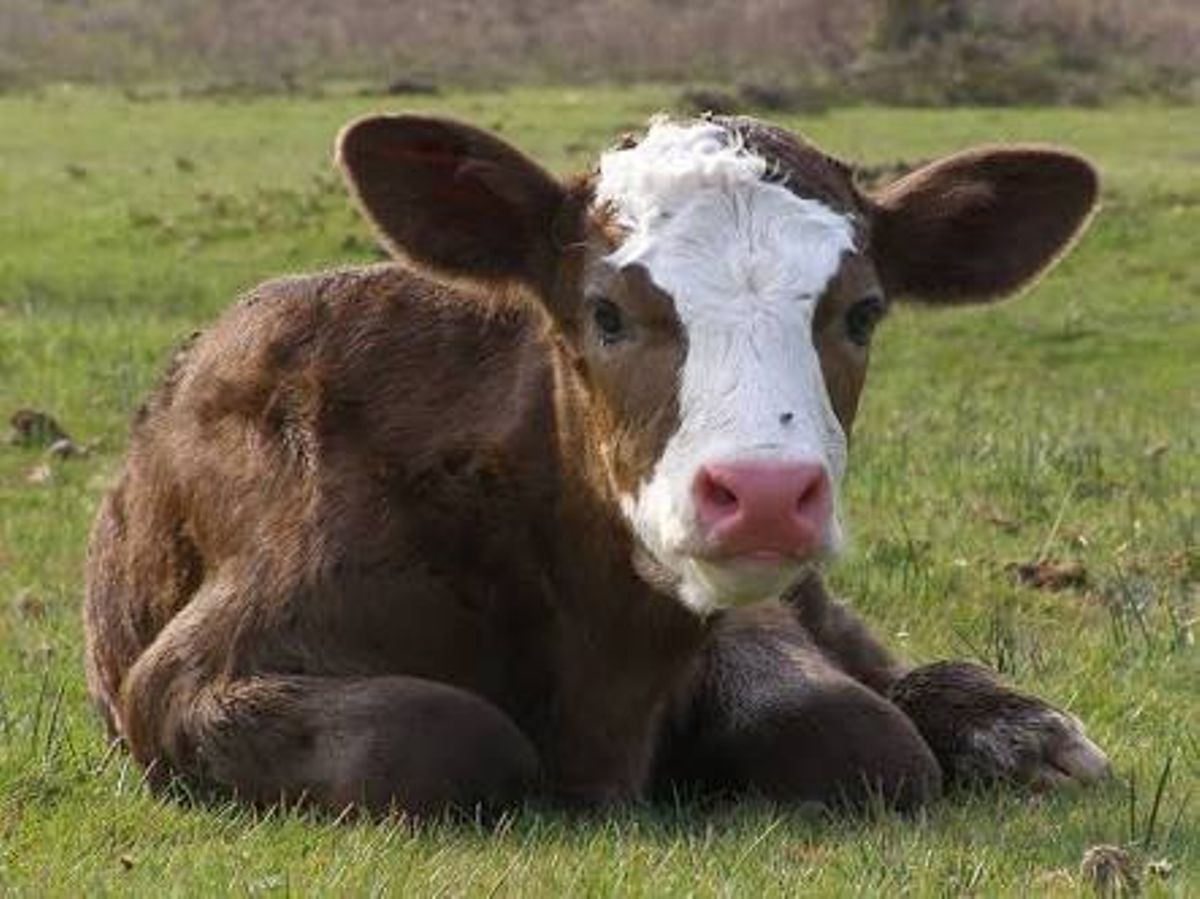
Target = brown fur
(938,229)
(366,549)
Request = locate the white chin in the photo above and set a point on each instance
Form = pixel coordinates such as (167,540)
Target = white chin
(708,586)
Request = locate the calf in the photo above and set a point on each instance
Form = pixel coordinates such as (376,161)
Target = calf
(538,509)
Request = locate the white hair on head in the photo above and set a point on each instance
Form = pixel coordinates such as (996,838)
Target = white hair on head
(651,181)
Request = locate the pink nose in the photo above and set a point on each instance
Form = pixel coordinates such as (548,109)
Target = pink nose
(763,509)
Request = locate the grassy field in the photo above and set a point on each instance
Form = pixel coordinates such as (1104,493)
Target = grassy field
(1065,425)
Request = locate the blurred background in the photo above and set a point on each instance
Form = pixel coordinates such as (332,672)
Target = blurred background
(788,54)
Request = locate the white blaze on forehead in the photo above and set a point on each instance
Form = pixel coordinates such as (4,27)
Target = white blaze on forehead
(653,180)
(745,261)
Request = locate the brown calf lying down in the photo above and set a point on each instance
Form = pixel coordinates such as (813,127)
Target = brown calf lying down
(538,510)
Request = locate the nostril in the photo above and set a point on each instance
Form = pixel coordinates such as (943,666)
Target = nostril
(714,494)
(721,496)
(812,494)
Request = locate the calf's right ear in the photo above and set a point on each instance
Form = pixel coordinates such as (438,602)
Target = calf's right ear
(982,224)
(454,198)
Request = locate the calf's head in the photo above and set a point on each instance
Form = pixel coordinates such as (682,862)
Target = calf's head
(714,286)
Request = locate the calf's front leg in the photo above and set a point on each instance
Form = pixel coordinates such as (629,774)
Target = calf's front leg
(766,713)
(980,729)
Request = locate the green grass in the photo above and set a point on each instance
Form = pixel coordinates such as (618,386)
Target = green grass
(1066,424)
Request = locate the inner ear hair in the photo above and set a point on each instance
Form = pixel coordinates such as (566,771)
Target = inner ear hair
(981,224)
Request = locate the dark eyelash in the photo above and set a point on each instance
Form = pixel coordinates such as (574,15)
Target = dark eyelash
(608,319)
(862,317)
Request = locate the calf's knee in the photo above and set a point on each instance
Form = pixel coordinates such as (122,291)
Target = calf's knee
(839,745)
(441,749)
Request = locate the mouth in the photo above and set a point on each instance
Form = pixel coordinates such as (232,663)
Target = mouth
(758,558)
(767,556)
(747,577)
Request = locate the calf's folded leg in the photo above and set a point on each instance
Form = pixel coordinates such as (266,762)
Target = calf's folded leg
(980,729)
(983,731)
(768,714)
(380,743)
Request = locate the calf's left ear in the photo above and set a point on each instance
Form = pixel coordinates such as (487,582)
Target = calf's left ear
(981,224)
(453,198)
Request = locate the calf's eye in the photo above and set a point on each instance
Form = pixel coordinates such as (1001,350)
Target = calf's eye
(609,323)
(862,317)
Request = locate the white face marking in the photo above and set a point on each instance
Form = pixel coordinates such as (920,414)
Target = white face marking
(746,262)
